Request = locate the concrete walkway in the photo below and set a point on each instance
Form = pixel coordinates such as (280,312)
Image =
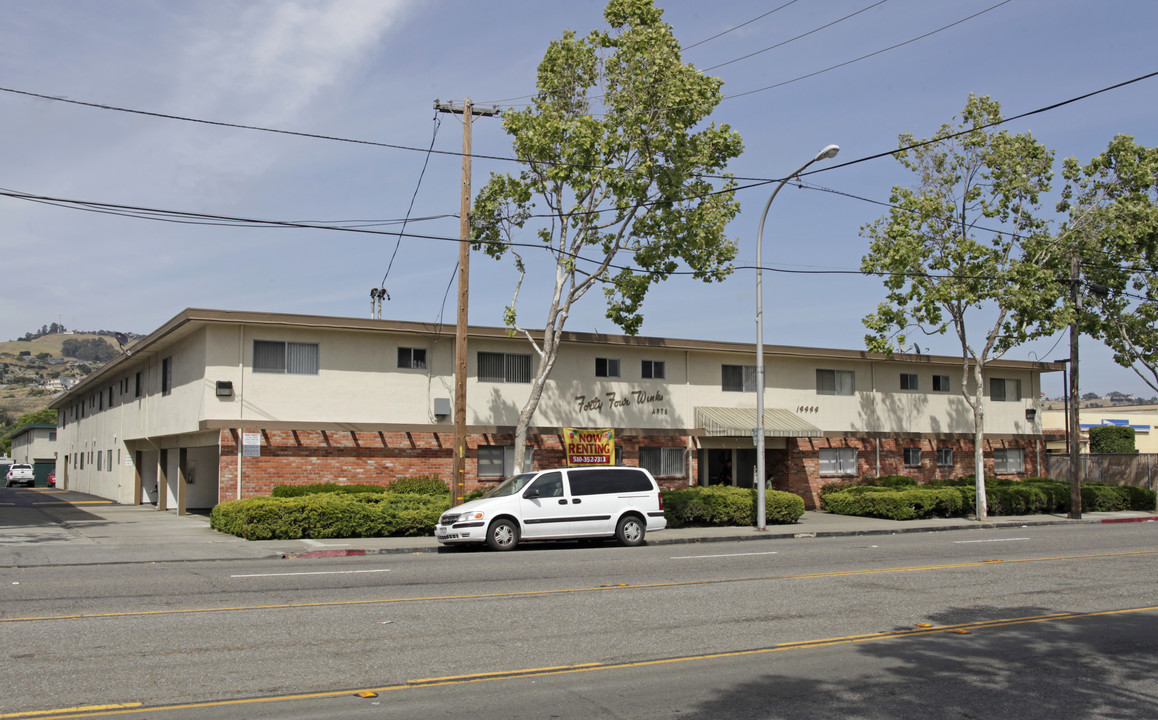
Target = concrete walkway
(43,527)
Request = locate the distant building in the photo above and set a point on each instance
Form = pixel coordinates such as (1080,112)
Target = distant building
(35,445)
(1143,418)
(219,405)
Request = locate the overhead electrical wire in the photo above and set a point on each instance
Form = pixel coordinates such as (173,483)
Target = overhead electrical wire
(798,37)
(426,162)
(743,24)
(866,57)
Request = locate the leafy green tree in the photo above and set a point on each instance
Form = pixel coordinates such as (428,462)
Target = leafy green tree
(965,250)
(618,151)
(1112,206)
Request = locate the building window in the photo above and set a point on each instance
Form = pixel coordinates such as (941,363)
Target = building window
(139,389)
(51,436)
(664,461)
(835,382)
(504,367)
(1004,390)
(653,370)
(941,383)
(912,457)
(166,377)
(838,461)
(498,461)
(1008,460)
(944,457)
(909,381)
(294,358)
(607,367)
(109,464)
(738,378)
(412,358)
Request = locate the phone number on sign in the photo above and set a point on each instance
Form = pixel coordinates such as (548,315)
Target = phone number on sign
(589,460)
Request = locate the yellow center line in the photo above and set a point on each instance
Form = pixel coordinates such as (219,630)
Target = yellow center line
(135,708)
(566,591)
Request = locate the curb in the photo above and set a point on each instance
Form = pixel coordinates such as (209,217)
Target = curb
(1126,520)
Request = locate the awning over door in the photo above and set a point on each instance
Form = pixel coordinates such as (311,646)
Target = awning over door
(740,422)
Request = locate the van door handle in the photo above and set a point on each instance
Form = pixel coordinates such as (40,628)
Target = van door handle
(577,501)
(563,501)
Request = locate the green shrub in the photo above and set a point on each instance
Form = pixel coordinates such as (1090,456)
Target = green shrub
(721,505)
(1097,497)
(421,485)
(1112,439)
(781,508)
(837,486)
(285,491)
(902,504)
(892,481)
(329,515)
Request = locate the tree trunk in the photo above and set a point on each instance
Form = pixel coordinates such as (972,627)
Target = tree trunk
(979,442)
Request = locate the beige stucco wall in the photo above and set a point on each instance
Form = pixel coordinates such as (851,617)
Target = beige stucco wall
(359,383)
(34,444)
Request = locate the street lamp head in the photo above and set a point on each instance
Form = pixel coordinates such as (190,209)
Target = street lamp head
(827,153)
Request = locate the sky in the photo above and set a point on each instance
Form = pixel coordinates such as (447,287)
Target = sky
(363,76)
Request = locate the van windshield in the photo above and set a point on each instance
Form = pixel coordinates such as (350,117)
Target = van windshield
(510,487)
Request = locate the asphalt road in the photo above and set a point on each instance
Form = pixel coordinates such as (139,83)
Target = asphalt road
(1052,622)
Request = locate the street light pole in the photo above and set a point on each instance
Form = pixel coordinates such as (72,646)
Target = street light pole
(761,512)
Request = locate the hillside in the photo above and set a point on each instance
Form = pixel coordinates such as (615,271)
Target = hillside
(23,377)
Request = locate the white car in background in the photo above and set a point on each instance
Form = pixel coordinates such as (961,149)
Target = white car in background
(20,474)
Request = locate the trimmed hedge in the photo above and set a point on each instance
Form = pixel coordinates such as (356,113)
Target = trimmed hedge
(721,505)
(421,485)
(329,515)
(285,491)
(1003,497)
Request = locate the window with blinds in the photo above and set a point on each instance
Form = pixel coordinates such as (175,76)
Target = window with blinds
(275,356)
(504,367)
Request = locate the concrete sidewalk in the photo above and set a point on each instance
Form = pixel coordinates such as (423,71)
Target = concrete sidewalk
(45,527)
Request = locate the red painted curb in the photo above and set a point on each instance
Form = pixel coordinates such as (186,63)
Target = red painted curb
(329,553)
(1137,519)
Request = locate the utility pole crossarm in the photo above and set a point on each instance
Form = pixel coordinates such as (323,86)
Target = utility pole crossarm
(460,109)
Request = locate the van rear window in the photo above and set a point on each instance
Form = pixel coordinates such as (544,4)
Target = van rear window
(596,481)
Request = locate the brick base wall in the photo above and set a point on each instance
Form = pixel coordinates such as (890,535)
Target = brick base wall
(302,457)
(379,458)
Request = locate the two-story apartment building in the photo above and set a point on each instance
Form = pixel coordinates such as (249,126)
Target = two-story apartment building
(218,405)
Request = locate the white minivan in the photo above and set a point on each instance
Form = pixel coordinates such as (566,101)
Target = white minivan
(559,504)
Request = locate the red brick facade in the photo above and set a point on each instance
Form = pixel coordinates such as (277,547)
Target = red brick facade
(310,456)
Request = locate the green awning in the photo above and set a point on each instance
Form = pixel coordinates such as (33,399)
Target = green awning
(740,422)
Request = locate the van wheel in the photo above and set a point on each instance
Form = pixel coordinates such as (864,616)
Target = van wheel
(630,531)
(502,535)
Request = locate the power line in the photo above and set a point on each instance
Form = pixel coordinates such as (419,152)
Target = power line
(793,39)
(434,136)
(737,27)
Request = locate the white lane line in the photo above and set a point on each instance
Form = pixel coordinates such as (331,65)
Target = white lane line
(320,572)
(697,557)
(962,542)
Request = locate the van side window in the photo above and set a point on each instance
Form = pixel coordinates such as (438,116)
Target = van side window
(549,485)
(601,482)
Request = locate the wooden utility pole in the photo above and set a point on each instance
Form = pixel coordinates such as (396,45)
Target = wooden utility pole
(458,467)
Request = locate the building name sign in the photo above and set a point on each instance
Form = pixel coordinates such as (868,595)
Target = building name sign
(614,401)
